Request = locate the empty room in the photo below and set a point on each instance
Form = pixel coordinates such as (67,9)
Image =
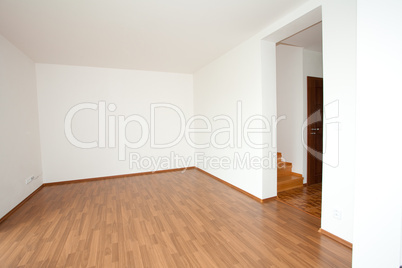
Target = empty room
(229,133)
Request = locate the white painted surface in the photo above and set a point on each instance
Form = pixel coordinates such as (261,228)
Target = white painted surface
(19,136)
(171,36)
(378,199)
(289,79)
(269,107)
(62,87)
(217,89)
(309,39)
(339,61)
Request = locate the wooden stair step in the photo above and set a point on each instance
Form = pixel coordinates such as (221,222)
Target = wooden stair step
(284,165)
(284,169)
(289,182)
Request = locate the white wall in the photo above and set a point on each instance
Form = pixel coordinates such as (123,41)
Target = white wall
(62,87)
(217,88)
(19,136)
(312,66)
(289,79)
(269,107)
(339,63)
(378,198)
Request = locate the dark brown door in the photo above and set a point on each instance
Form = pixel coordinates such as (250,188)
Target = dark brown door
(314,129)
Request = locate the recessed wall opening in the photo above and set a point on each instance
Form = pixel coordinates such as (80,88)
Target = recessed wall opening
(298,54)
(299,80)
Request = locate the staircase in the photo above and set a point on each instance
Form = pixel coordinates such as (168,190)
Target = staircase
(286,178)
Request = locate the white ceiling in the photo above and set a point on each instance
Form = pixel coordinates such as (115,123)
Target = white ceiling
(159,35)
(310,38)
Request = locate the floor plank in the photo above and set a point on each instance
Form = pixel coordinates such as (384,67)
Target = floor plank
(170,219)
(307,198)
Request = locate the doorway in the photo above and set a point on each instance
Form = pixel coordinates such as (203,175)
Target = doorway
(300,99)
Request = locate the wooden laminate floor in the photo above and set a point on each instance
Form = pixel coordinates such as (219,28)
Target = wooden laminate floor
(307,198)
(163,220)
